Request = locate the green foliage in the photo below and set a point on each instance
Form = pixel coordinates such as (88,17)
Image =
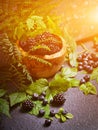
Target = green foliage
(63,81)
(4,107)
(69,72)
(94,75)
(13,74)
(38,106)
(41,60)
(17,97)
(39,47)
(88,88)
(63,117)
(9,49)
(2,92)
(4,104)
(73,59)
(38,86)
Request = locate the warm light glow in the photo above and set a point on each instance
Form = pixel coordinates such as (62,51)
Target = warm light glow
(93,15)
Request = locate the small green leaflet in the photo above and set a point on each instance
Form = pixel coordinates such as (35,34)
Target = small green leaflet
(38,86)
(69,116)
(2,92)
(35,22)
(17,97)
(88,88)
(94,75)
(57,116)
(63,117)
(69,72)
(4,107)
(30,24)
(20,30)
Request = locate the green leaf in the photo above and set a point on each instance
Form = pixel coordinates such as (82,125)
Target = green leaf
(49,95)
(30,24)
(4,107)
(57,116)
(2,92)
(38,86)
(88,88)
(74,82)
(69,72)
(94,75)
(63,118)
(47,111)
(73,59)
(19,31)
(59,84)
(69,115)
(61,110)
(17,97)
(37,107)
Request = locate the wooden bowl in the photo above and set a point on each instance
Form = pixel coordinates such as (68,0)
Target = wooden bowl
(42,70)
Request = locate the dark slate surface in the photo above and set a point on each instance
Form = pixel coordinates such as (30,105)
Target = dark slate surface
(84,108)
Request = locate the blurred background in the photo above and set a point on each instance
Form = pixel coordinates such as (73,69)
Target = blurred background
(80,18)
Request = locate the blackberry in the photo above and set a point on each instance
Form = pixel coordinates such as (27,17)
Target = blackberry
(58,99)
(47,122)
(27,105)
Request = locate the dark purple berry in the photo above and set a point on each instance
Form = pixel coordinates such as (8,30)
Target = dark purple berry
(90,69)
(35,96)
(84,55)
(79,59)
(80,68)
(47,122)
(41,112)
(86,77)
(43,93)
(64,112)
(27,105)
(95,64)
(84,59)
(85,62)
(82,81)
(95,58)
(41,97)
(45,102)
(90,62)
(52,113)
(80,64)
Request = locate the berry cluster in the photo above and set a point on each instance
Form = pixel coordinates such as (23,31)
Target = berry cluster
(87,61)
(46,39)
(58,100)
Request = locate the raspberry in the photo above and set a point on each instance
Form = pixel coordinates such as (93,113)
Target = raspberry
(27,105)
(58,99)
